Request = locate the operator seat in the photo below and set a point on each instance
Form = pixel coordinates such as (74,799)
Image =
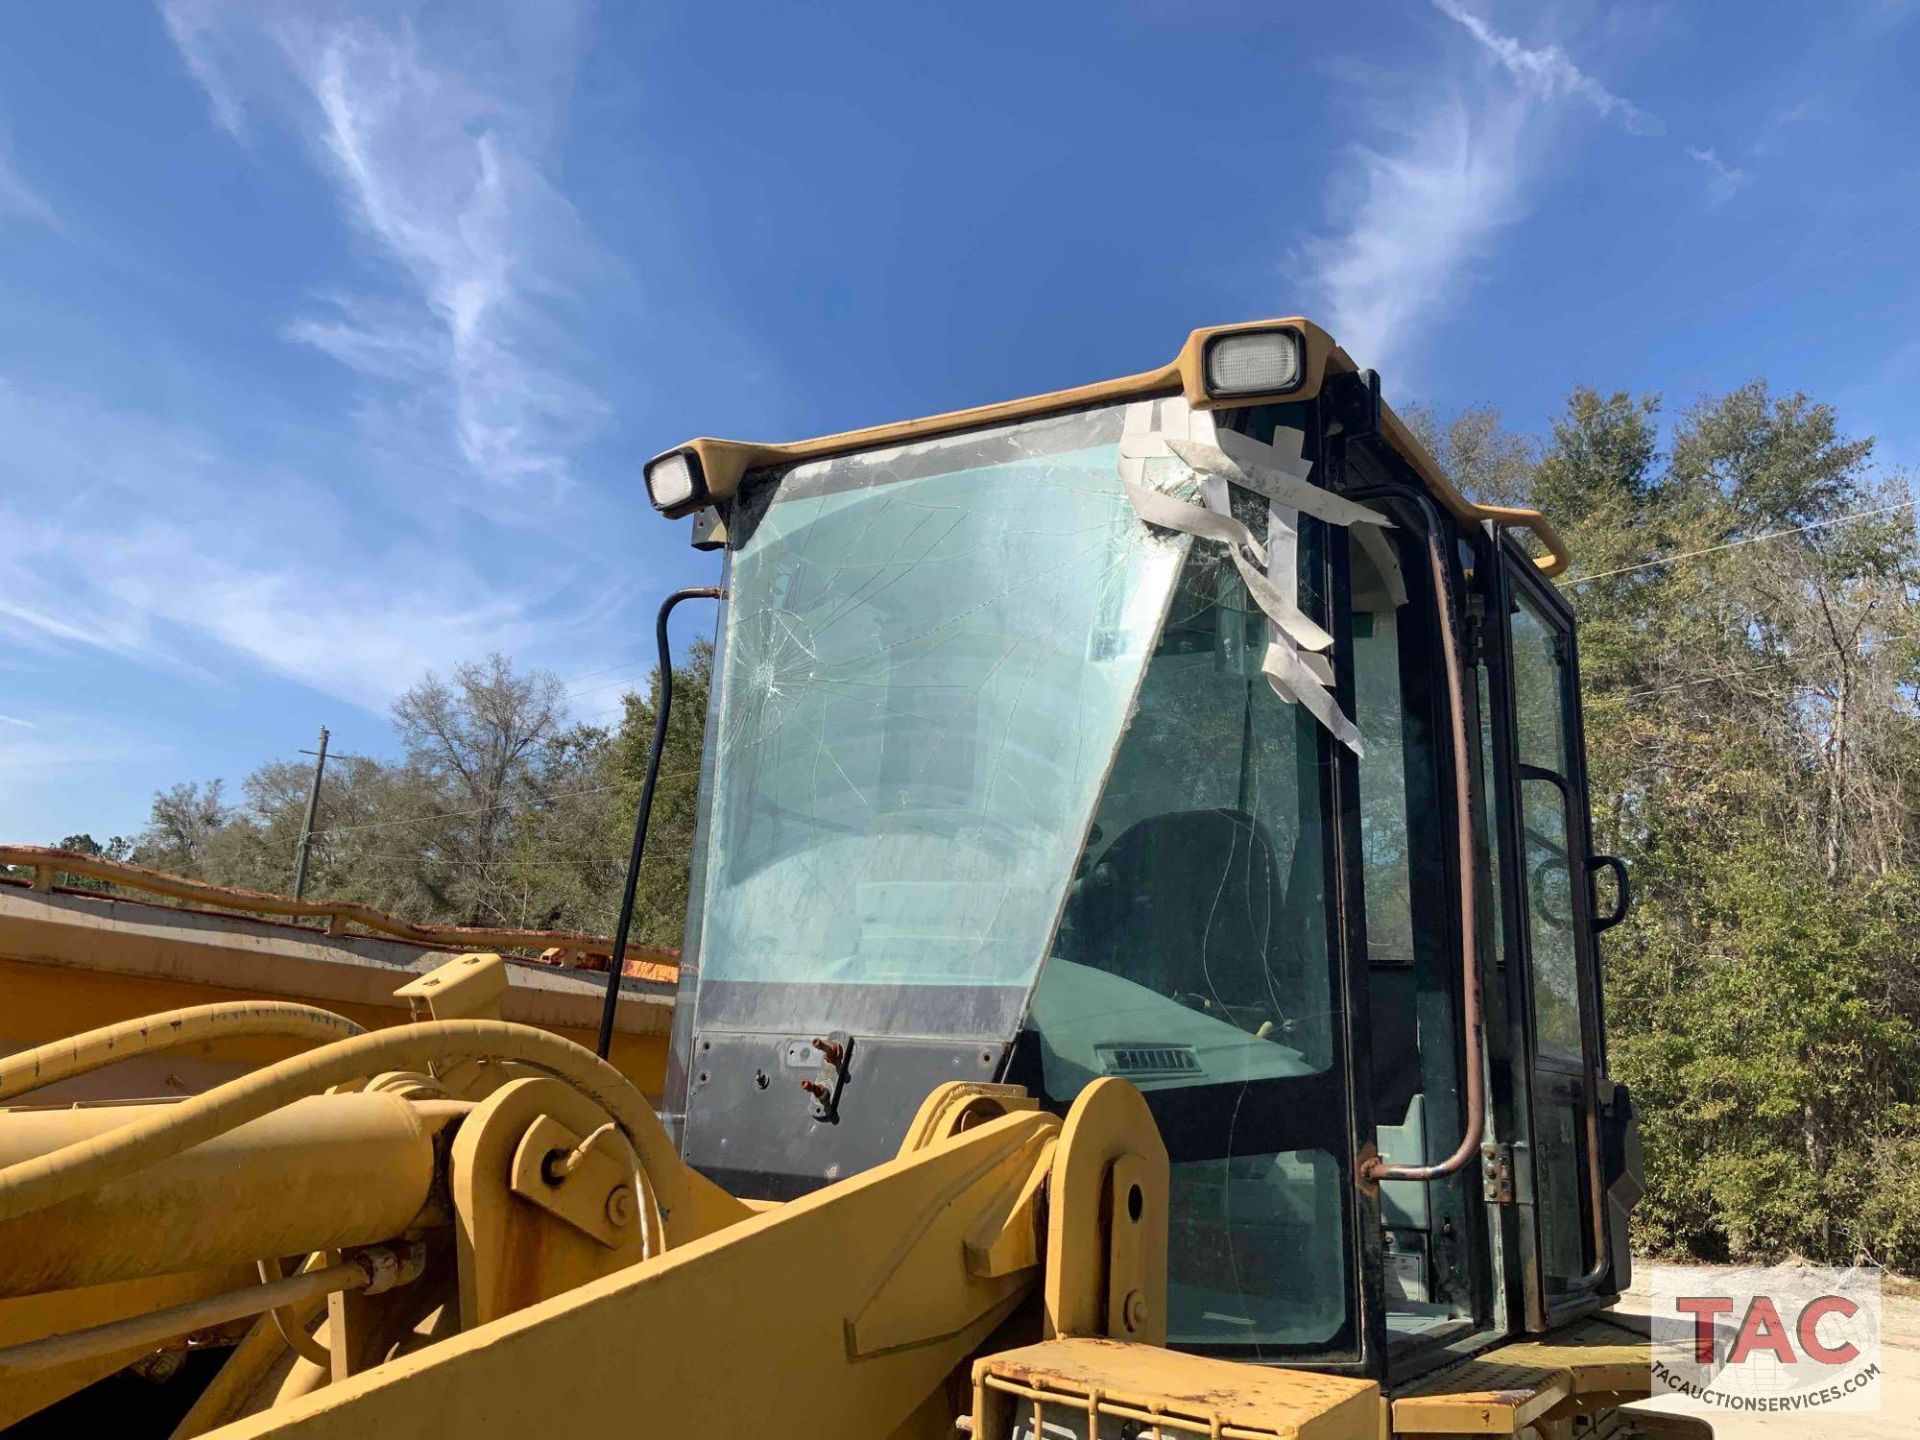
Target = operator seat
(1190,904)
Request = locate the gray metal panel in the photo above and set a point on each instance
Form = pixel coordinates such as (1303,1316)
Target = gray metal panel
(751,1128)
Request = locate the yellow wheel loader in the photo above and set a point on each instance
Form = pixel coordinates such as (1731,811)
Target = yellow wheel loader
(1140,981)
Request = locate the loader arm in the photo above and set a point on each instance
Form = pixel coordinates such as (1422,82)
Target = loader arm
(502,1242)
(862,1302)
(501,1236)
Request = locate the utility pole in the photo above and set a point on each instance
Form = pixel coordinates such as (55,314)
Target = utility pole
(313,807)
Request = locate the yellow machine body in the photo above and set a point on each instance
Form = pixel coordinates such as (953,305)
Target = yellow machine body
(457,1225)
(73,960)
(1006,1270)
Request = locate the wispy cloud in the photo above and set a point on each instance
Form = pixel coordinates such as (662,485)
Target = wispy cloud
(351,565)
(194,26)
(43,768)
(1424,207)
(74,739)
(1443,177)
(19,200)
(147,541)
(1774,134)
(1723,180)
(438,164)
(16,720)
(1548,73)
(1449,168)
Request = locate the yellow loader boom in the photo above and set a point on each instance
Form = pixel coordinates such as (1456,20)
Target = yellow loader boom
(502,1242)
(563,1251)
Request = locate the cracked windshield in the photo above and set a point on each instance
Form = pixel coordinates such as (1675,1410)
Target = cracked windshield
(977,714)
(929,653)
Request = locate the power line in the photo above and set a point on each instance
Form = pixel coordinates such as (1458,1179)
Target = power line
(1824,262)
(588,675)
(1573,580)
(620,709)
(483,809)
(595,689)
(1827,658)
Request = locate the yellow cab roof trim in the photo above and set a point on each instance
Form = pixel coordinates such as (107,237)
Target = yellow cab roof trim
(724,462)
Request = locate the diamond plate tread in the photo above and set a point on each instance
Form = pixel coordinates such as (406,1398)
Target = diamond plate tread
(1508,1388)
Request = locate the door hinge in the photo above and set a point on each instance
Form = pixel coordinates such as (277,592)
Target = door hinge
(1474,625)
(1496,1173)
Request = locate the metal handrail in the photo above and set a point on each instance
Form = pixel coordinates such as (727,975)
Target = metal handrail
(1375,1168)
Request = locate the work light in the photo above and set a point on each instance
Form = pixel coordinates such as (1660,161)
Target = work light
(1256,362)
(674,482)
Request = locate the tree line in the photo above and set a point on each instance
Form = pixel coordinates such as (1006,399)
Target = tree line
(498,810)
(1748,586)
(1750,660)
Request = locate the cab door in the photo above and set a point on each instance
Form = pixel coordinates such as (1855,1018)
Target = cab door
(1547,893)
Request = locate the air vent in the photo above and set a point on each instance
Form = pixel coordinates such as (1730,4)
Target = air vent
(1149,1060)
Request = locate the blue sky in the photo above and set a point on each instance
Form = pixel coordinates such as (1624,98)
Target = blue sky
(331,338)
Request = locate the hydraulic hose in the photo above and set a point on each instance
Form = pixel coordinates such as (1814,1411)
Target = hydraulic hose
(161,1325)
(165,1131)
(616,962)
(197,1024)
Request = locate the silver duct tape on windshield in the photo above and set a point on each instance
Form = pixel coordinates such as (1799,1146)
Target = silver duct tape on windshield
(1274,471)
(1380,551)
(1296,663)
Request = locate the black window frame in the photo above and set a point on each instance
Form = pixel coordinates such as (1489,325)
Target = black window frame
(1505,571)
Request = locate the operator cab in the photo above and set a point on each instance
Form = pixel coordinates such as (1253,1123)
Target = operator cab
(1126,732)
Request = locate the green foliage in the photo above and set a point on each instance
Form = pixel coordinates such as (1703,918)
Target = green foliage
(117,848)
(499,812)
(1889,1220)
(1752,732)
(1768,1050)
(660,899)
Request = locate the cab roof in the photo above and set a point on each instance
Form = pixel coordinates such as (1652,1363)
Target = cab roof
(722,463)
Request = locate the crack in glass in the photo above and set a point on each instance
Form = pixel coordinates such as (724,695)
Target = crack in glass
(930,654)
(995,754)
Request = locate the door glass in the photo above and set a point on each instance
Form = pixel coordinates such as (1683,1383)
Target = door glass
(1491,891)
(1557,1168)
(1412,962)
(1548,859)
(1537,697)
(1192,958)
(1541,726)
(1381,716)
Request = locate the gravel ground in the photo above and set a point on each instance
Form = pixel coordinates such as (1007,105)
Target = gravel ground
(1899,1416)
